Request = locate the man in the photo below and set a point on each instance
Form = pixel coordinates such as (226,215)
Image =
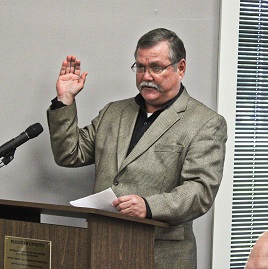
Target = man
(258,257)
(161,152)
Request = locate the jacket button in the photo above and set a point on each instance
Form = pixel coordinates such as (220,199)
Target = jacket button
(116,183)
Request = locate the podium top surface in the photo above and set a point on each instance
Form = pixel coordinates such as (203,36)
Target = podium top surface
(72,211)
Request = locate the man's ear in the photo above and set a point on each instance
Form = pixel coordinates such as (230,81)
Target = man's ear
(182,67)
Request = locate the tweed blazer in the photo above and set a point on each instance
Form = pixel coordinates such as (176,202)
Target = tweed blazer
(177,164)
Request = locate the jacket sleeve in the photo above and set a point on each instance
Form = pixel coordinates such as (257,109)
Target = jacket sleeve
(72,146)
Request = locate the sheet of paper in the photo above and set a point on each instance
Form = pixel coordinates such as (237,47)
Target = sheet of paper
(101,200)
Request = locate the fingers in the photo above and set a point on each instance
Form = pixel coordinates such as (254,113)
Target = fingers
(122,202)
(63,68)
(132,205)
(70,66)
(76,67)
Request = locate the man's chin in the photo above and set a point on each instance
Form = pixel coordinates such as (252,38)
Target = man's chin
(150,95)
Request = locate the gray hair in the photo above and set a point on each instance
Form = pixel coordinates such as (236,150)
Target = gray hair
(153,37)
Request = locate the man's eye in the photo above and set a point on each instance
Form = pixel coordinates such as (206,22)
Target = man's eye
(140,67)
(157,68)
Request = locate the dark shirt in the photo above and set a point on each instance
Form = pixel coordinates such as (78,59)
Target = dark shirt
(143,122)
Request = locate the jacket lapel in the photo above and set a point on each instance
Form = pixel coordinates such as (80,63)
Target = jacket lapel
(163,122)
(127,123)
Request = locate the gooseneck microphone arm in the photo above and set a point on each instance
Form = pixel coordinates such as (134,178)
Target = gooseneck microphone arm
(7,150)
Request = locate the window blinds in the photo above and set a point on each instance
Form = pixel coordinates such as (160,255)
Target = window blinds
(250,188)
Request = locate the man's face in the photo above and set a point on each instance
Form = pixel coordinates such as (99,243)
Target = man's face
(164,86)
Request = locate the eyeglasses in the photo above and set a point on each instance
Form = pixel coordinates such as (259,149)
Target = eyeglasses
(140,69)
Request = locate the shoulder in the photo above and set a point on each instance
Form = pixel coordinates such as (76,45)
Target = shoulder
(115,108)
(120,104)
(190,108)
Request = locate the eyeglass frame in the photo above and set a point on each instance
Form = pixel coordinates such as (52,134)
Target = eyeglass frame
(150,69)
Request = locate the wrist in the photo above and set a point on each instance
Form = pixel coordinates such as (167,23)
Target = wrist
(65,100)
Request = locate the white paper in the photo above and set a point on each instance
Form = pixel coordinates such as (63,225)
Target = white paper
(101,200)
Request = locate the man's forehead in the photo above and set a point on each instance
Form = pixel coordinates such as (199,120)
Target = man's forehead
(162,45)
(159,52)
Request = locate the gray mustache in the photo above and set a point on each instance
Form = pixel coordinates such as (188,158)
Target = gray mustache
(148,84)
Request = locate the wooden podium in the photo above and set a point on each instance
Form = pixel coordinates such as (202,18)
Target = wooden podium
(110,240)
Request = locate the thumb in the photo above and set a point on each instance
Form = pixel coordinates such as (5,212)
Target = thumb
(82,78)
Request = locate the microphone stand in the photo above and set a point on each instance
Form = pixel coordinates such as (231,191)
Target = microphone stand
(7,158)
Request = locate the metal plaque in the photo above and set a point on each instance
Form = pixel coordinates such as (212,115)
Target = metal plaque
(25,253)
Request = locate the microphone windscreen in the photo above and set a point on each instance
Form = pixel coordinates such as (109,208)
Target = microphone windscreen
(34,130)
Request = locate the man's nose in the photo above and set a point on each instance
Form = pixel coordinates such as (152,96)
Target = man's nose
(147,75)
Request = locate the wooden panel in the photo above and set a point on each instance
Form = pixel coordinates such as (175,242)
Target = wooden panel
(112,240)
(120,244)
(69,244)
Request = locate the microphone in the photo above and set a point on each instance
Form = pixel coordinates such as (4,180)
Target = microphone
(31,132)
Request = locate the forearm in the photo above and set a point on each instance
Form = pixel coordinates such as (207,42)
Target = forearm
(71,146)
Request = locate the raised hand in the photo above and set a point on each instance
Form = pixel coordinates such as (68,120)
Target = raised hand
(70,82)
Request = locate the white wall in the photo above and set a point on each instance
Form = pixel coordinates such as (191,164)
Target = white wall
(227,84)
(35,38)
